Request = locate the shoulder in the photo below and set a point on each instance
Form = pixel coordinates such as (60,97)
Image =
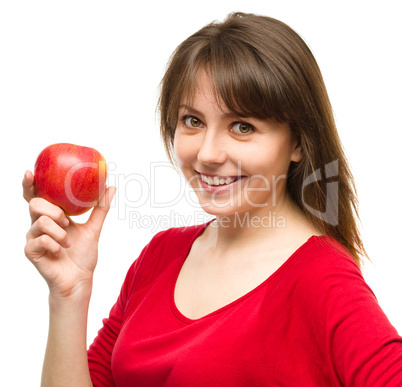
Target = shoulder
(327,279)
(324,274)
(322,255)
(330,258)
(173,240)
(162,250)
(178,234)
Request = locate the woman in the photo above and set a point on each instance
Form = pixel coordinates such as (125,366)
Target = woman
(268,293)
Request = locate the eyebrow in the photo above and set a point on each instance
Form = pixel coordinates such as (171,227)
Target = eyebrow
(198,113)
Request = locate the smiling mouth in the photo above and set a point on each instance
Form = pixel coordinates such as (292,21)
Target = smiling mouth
(218,180)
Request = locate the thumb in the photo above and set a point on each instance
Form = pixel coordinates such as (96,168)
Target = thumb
(100,211)
(28,186)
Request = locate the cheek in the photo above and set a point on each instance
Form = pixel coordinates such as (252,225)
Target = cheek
(183,149)
(268,161)
(178,147)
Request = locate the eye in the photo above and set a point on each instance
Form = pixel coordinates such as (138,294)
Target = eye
(191,122)
(242,128)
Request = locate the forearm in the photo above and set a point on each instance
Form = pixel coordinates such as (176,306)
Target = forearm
(66,362)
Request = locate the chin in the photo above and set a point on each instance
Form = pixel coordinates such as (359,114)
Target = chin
(224,211)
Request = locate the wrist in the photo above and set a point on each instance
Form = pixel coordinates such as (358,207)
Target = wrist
(79,295)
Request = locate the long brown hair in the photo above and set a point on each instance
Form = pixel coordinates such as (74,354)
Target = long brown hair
(260,67)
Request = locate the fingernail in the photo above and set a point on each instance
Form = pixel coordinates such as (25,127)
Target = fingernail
(65,222)
(67,244)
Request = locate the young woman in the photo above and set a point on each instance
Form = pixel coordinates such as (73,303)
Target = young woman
(269,292)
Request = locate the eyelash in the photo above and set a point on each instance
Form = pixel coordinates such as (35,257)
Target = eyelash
(184,118)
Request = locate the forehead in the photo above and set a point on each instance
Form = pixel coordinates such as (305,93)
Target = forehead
(203,93)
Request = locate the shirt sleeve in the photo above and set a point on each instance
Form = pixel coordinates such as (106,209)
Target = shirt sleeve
(100,351)
(361,345)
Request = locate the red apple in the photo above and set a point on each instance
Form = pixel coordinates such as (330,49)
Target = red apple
(70,176)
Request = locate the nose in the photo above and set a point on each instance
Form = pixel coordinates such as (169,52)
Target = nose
(212,149)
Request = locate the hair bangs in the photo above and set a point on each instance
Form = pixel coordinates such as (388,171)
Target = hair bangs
(245,90)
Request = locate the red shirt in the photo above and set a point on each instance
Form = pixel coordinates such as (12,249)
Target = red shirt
(314,322)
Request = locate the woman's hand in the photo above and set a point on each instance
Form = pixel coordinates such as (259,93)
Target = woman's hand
(64,252)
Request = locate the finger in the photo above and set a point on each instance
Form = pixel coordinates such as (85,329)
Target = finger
(39,207)
(46,225)
(36,248)
(28,186)
(100,211)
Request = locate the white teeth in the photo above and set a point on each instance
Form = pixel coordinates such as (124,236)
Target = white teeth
(216,180)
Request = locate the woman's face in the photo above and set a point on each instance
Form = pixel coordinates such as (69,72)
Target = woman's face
(234,164)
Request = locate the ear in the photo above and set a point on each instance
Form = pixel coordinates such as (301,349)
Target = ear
(297,153)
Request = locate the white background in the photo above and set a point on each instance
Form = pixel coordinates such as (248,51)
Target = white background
(87,72)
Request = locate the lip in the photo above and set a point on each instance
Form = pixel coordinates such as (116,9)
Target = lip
(218,188)
(218,176)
